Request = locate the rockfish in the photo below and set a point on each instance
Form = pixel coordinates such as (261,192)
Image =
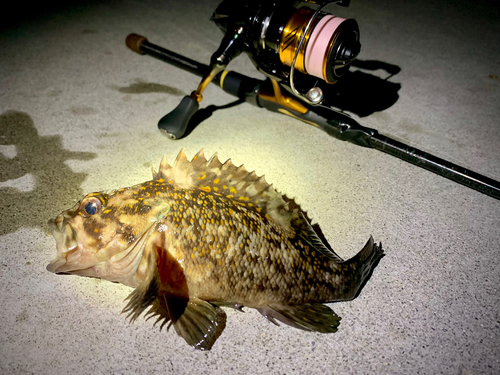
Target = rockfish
(202,234)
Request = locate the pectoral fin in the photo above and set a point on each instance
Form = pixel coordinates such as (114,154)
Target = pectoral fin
(142,296)
(308,317)
(165,290)
(194,320)
(146,292)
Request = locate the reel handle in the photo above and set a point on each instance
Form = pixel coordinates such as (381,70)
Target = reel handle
(175,123)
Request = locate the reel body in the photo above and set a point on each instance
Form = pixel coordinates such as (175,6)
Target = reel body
(275,34)
(281,39)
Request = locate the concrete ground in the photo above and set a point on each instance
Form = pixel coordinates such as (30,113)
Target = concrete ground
(78,113)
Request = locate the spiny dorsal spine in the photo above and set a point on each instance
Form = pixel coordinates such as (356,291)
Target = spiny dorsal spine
(232,182)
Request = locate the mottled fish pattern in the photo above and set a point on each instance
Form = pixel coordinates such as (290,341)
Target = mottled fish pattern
(203,234)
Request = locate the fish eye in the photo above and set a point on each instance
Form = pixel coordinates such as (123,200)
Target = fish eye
(90,206)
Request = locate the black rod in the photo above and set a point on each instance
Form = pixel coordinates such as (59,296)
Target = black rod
(437,165)
(357,134)
(141,45)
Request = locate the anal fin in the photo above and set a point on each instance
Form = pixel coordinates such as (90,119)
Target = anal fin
(308,317)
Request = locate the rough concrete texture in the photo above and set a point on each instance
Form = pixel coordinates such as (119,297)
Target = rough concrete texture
(78,113)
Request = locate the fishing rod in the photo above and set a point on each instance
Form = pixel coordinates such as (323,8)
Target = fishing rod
(297,49)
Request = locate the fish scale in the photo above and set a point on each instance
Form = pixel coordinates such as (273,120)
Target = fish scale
(204,234)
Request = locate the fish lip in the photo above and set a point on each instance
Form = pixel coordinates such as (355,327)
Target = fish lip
(61,260)
(57,228)
(55,264)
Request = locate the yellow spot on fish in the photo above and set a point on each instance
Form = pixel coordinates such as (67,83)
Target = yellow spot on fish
(160,180)
(206,188)
(216,188)
(96,230)
(232,190)
(216,181)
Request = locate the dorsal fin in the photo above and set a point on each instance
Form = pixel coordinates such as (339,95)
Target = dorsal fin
(306,232)
(235,183)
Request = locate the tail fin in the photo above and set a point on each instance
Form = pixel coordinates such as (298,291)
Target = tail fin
(360,267)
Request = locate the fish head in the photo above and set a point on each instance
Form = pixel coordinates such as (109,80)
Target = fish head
(105,234)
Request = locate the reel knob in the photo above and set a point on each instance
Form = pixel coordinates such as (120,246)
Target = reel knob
(174,124)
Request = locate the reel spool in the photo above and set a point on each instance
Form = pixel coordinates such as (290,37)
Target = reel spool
(329,45)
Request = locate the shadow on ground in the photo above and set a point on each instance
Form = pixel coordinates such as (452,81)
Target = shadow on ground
(54,183)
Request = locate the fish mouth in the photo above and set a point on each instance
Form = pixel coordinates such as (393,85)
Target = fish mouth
(56,265)
(67,245)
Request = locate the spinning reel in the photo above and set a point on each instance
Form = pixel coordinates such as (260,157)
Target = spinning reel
(301,50)
(293,47)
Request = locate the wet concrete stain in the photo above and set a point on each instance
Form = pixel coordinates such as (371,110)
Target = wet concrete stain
(44,158)
(82,110)
(22,316)
(142,87)
(411,127)
(54,93)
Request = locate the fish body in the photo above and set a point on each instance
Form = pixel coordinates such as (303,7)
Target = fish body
(203,234)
